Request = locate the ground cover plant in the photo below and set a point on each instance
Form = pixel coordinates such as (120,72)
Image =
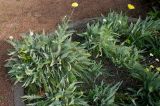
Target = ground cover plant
(126,45)
(58,71)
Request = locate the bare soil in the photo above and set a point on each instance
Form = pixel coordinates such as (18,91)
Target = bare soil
(18,16)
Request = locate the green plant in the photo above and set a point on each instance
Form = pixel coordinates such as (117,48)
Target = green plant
(148,94)
(155,14)
(49,67)
(144,35)
(103,95)
(103,39)
(121,55)
(64,94)
(129,58)
(92,41)
(118,22)
(40,60)
(120,48)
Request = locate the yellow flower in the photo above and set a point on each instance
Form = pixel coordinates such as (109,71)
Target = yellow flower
(131,6)
(74,4)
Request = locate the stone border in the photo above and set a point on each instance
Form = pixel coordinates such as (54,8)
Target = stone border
(18,91)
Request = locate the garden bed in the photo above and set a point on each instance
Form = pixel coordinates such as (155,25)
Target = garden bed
(108,56)
(118,74)
(18,16)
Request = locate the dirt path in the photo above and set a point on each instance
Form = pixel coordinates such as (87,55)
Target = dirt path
(18,16)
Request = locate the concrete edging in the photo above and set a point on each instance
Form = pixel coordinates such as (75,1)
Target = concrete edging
(18,93)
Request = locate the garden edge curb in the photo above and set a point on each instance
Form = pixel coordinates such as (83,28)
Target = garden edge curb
(18,93)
